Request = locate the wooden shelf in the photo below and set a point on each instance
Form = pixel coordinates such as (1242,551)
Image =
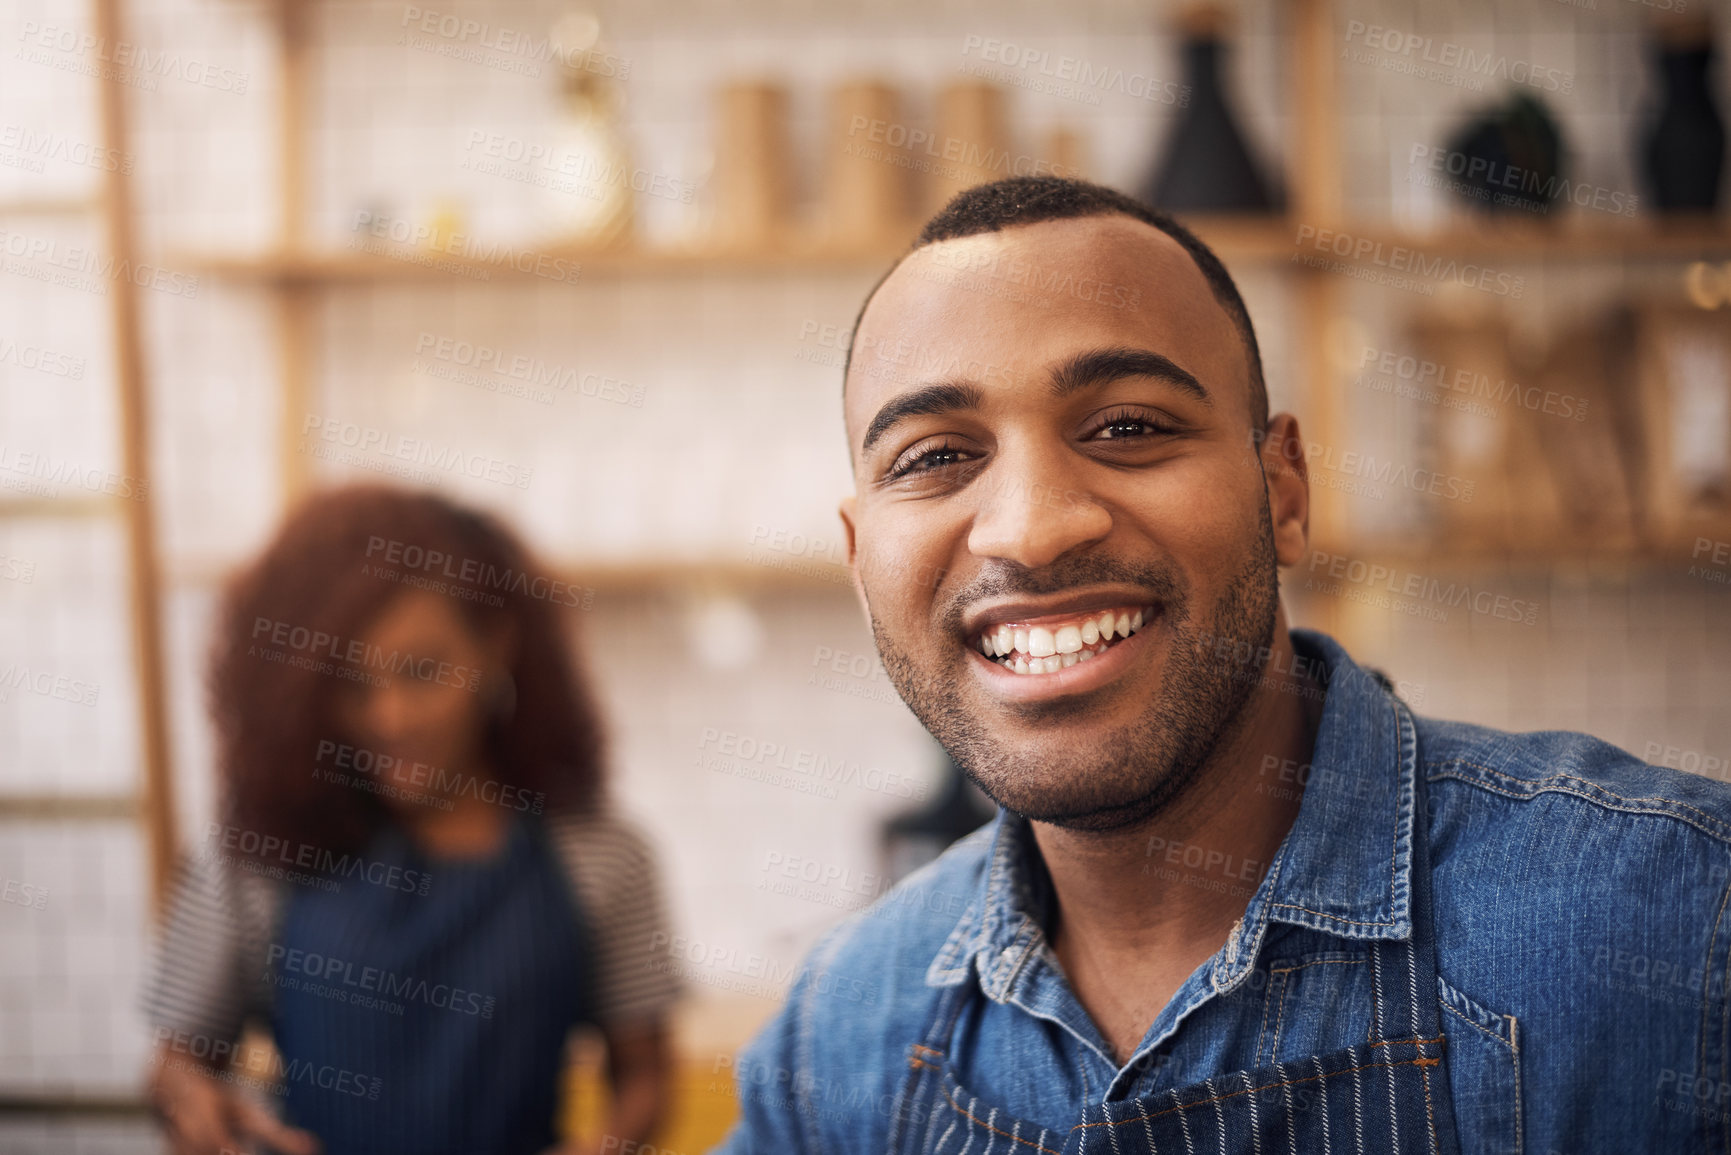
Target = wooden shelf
(1479,553)
(1567,239)
(79,807)
(56,507)
(786,573)
(338,266)
(66,206)
(1244,240)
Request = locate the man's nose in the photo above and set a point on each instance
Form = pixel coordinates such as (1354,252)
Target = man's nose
(1033,511)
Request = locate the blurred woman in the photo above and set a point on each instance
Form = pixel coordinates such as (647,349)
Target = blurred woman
(415,885)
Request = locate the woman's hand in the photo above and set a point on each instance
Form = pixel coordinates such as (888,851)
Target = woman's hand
(640,1075)
(203,1115)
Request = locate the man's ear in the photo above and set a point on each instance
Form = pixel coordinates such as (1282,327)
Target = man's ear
(847,511)
(1287,476)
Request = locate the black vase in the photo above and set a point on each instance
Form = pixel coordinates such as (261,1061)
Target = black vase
(1684,148)
(1206,166)
(1520,137)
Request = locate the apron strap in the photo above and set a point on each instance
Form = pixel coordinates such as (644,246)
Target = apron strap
(926,1059)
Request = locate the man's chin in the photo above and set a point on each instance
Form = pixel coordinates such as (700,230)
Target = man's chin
(1072,796)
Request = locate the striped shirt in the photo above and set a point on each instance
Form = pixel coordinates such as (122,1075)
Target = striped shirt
(209,970)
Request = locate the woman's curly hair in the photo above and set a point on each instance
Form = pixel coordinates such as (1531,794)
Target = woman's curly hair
(328,572)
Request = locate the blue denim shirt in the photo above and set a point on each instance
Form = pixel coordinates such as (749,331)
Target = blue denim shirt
(1581,952)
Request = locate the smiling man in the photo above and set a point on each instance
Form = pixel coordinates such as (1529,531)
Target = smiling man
(1237,897)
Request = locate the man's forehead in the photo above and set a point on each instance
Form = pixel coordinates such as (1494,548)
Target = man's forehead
(970,306)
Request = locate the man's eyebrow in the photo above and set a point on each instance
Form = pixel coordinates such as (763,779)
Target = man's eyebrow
(942,397)
(1099,366)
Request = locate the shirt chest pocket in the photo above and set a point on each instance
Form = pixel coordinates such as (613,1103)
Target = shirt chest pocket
(1316,1004)
(1484,1066)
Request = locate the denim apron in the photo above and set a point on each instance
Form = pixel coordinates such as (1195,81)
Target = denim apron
(1387,1096)
(434,1022)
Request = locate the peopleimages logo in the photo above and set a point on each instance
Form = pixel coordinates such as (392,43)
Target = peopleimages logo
(445,783)
(1368,258)
(365,439)
(1070,76)
(1448,61)
(129,62)
(1530,187)
(44,258)
(474,572)
(356,654)
(330,976)
(1414,594)
(270,848)
(38,147)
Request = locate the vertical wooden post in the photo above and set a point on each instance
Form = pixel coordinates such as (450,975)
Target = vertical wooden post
(1317,167)
(1317,201)
(157,789)
(293,303)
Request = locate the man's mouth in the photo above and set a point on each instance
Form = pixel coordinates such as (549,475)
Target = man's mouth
(1054,643)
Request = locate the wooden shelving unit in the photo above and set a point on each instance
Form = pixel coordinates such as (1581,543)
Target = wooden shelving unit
(112,207)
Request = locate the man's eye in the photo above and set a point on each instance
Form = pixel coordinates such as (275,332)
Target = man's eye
(925,461)
(1120,426)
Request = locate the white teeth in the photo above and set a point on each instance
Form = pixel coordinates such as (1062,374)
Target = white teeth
(1043,650)
(1051,663)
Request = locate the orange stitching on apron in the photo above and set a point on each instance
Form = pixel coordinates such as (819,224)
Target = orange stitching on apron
(925,1049)
(1416,1042)
(1269,1086)
(995,1130)
(920,1064)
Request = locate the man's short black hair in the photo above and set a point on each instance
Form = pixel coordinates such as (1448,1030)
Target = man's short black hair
(1028,200)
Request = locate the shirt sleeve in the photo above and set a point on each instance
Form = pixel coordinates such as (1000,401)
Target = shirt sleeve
(765,1075)
(618,885)
(205,971)
(780,1089)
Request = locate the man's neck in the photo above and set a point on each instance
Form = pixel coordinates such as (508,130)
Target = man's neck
(1138,909)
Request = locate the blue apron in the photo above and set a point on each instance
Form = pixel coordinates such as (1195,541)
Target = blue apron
(434,1022)
(1388,1096)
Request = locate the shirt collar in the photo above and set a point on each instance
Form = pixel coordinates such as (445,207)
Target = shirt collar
(1345,867)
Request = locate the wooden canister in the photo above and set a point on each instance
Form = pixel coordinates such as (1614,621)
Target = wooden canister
(752,180)
(973,140)
(866,168)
